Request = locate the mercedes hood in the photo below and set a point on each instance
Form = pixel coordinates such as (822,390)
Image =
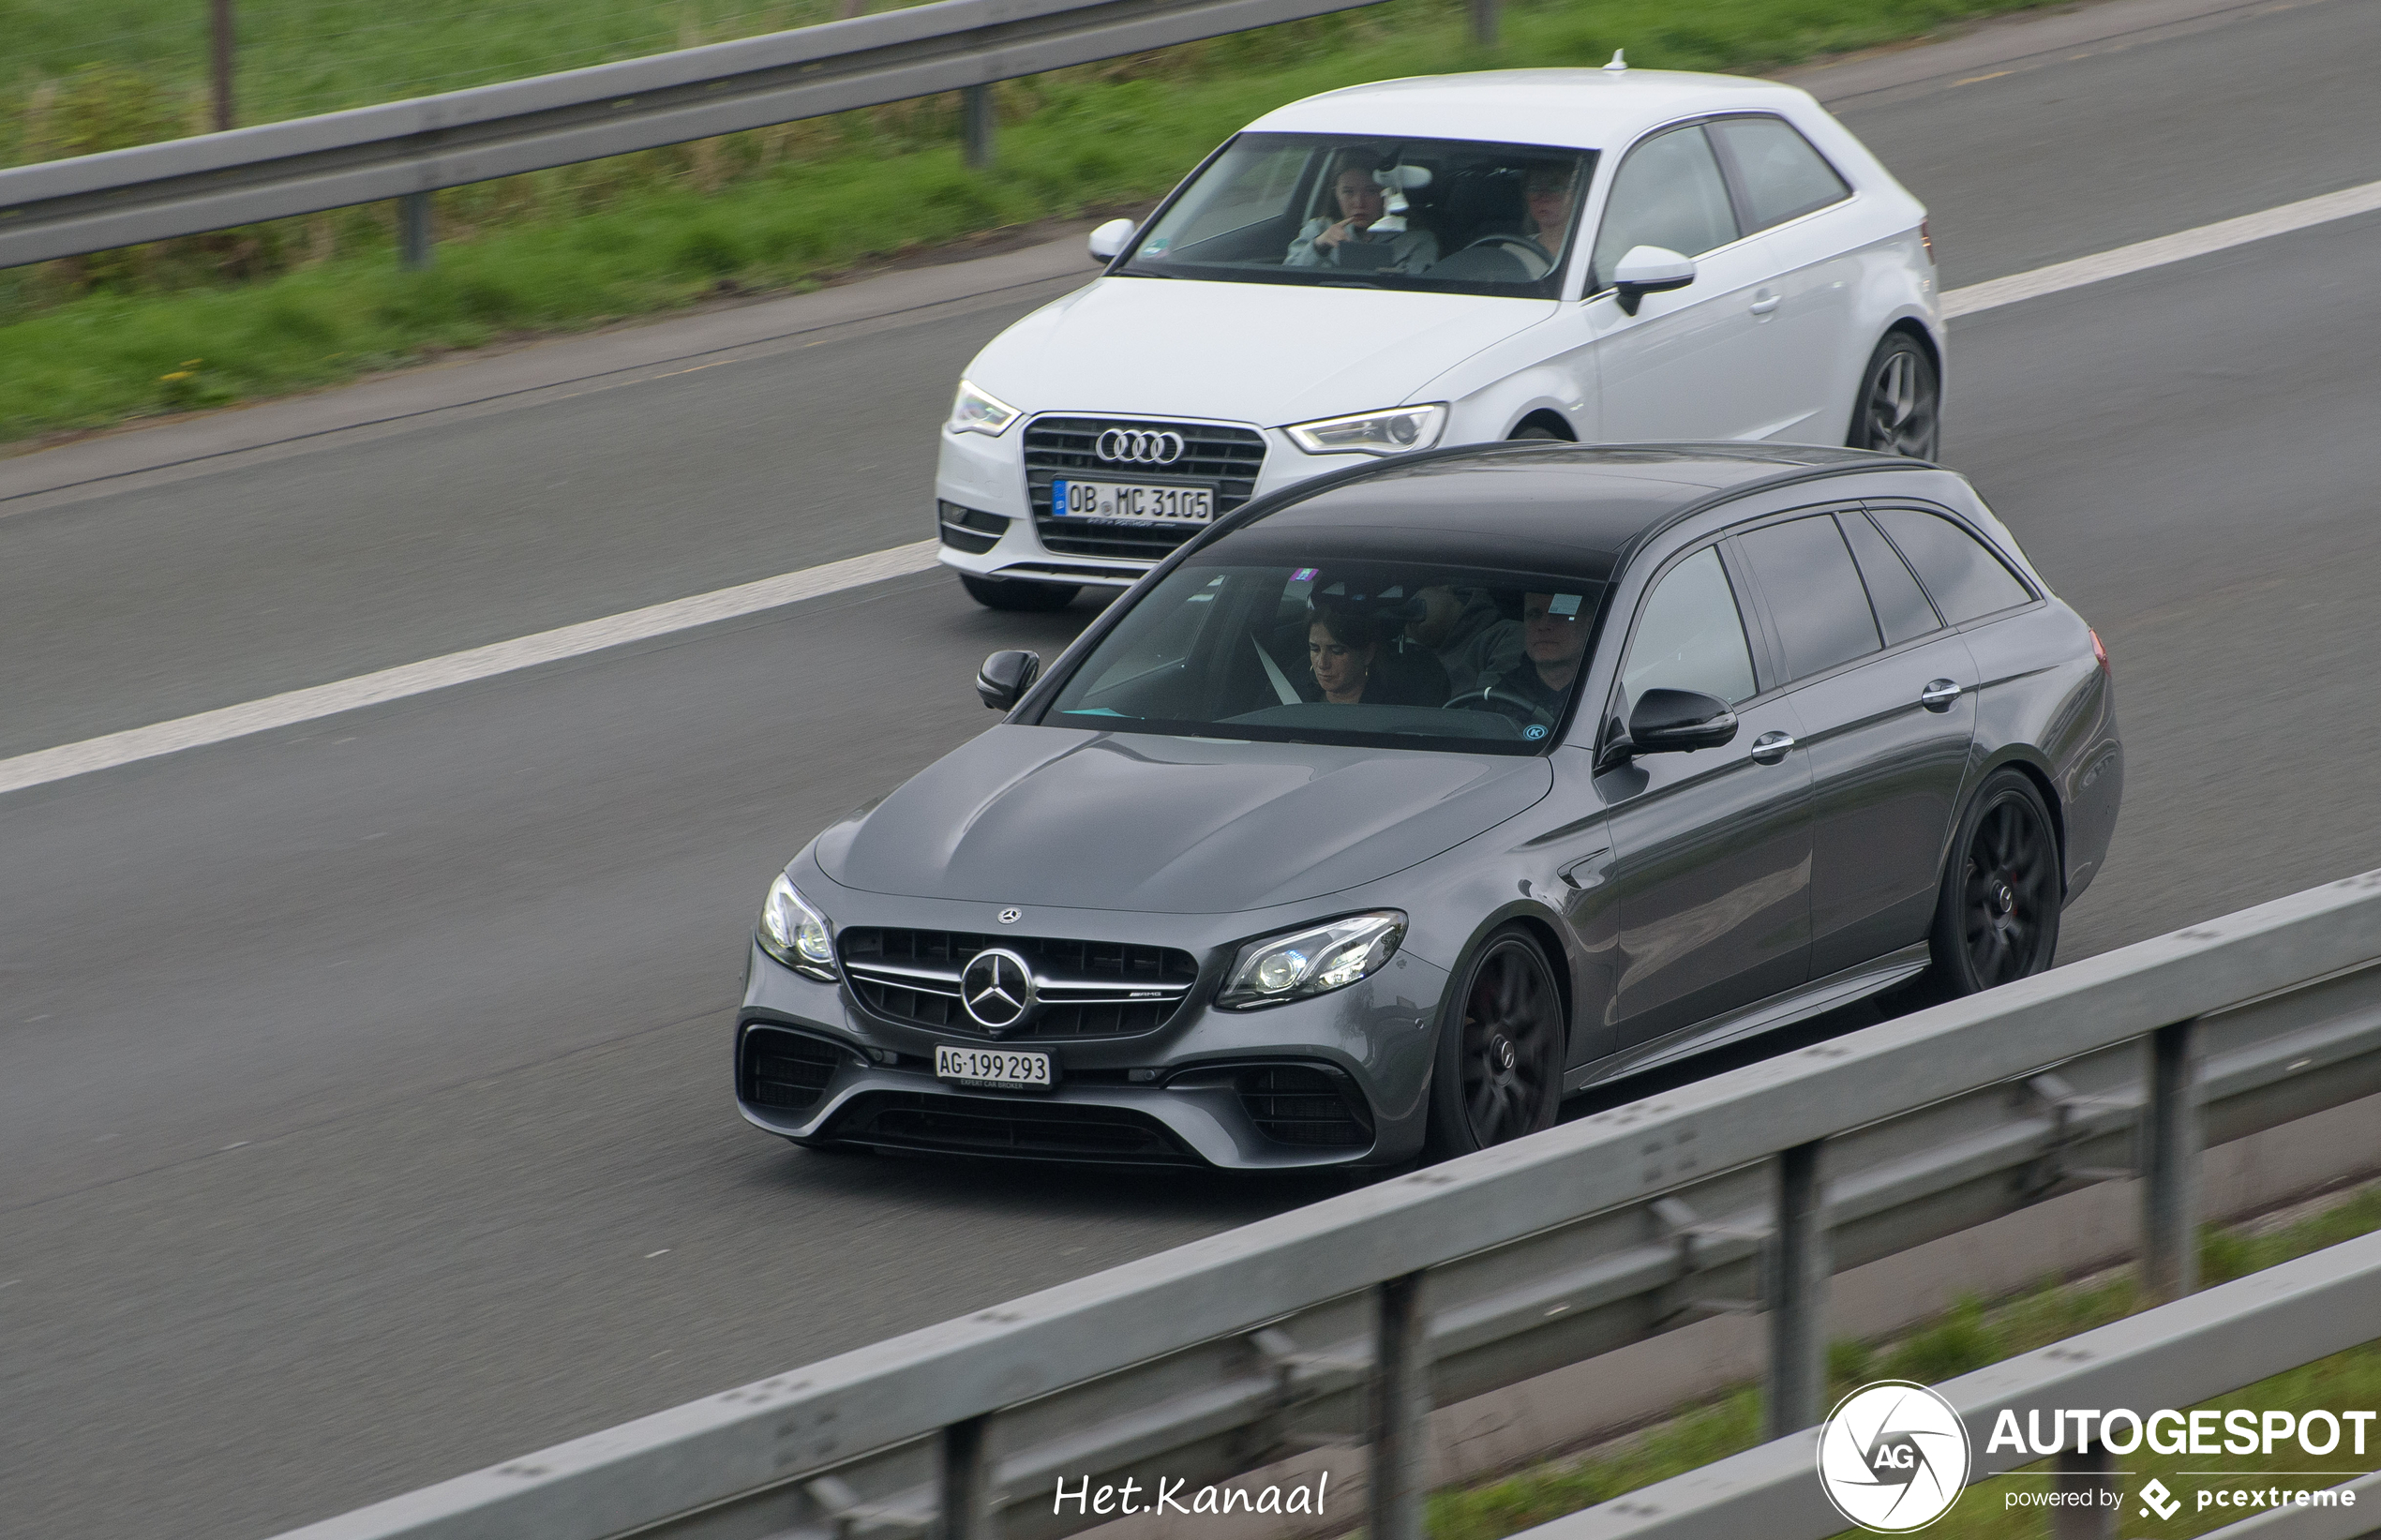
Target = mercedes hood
(1053,816)
(1255,353)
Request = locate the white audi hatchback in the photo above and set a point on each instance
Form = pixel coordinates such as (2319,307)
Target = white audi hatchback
(1606,255)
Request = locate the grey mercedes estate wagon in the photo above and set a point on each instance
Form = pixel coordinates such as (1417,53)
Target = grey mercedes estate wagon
(1390,809)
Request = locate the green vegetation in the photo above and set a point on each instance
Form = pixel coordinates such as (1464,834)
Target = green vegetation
(1971,1335)
(306,302)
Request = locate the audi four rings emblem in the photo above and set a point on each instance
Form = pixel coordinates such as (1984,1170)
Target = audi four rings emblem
(996,988)
(1139,446)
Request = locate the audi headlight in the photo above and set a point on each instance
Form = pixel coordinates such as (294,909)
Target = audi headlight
(1395,432)
(978,410)
(1311,961)
(795,934)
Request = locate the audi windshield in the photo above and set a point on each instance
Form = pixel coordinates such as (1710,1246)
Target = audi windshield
(1287,641)
(1438,215)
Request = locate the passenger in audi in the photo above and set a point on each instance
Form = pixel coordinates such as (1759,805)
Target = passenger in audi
(1554,629)
(1549,190)
(1349,241)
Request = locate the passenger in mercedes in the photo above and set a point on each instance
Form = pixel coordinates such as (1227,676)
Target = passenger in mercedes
(1348,241)
(1467,633)
(1553,641)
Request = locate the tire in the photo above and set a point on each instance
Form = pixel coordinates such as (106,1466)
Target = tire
(1535,431)
(1014,594)
(1997,917)
(1901,407)
(1499,1073)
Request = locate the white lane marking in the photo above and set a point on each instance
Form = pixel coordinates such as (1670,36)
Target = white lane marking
(478,662)
(570,641)
(2176,247)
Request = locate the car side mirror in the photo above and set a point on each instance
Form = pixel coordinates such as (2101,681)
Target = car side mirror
(1677,720)
(1006,677)
(1649,270)
(1111,238)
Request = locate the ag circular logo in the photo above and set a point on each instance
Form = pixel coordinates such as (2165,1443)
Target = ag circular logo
(1535,731)
(1139,446)
(996,989)
(1893,1456)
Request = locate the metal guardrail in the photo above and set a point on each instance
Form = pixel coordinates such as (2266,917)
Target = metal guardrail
(2176,1355)
(182,186)
(1349,1318)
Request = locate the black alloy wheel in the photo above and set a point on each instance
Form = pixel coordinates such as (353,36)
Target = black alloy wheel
(1016,593)
(1996,919)
(1900,410)
(1500,1065)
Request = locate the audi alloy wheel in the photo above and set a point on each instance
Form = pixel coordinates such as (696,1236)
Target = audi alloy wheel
(1900,410)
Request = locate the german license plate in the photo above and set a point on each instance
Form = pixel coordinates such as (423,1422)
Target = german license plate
(1132,502)
(991,1067)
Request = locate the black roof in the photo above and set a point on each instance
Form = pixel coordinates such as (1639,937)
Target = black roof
(1541,500)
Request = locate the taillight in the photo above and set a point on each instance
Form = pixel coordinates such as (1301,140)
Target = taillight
(1927,239)
(2099,654)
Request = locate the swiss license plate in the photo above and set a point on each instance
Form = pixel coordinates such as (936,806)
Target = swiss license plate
(1132,502)
(991,1067)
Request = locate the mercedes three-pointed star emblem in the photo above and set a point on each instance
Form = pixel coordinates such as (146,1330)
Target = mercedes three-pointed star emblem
(996,989)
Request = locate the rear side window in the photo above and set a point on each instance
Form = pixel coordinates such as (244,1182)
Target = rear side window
(1781,175)
(1902,610)
(1669,194)
(1966,579)
(1815,595)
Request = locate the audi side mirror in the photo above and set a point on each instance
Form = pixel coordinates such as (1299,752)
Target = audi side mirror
(1006,677)
(1111,238)
(1678,721)
(1649,270)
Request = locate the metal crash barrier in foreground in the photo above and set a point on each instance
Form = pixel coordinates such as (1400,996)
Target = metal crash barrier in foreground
(2176,1355)
(1350,1318)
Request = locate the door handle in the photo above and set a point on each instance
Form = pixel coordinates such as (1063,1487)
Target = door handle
(1939,694)
(1764,306)
(1772,748)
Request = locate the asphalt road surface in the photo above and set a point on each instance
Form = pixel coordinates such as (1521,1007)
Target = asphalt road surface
(364,1097)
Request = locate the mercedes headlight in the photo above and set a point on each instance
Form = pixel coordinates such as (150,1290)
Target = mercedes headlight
(978,410)
(1394,432)
(1311,961)
(795,934)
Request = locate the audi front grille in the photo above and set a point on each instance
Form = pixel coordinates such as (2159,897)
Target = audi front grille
(1085,989)
(1211,453)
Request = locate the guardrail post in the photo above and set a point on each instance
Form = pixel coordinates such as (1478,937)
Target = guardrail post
(1484,19)
(2092,1472)
(413,234)
(1398,1475)
(220,15)
(966,1499)
(1800,1263)
(976,109)
(2170,1140)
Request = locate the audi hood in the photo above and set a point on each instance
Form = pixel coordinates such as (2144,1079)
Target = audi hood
(1255,353)
(1059,818)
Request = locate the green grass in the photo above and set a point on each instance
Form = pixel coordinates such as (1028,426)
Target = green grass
(1969,1336)
(298,302)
